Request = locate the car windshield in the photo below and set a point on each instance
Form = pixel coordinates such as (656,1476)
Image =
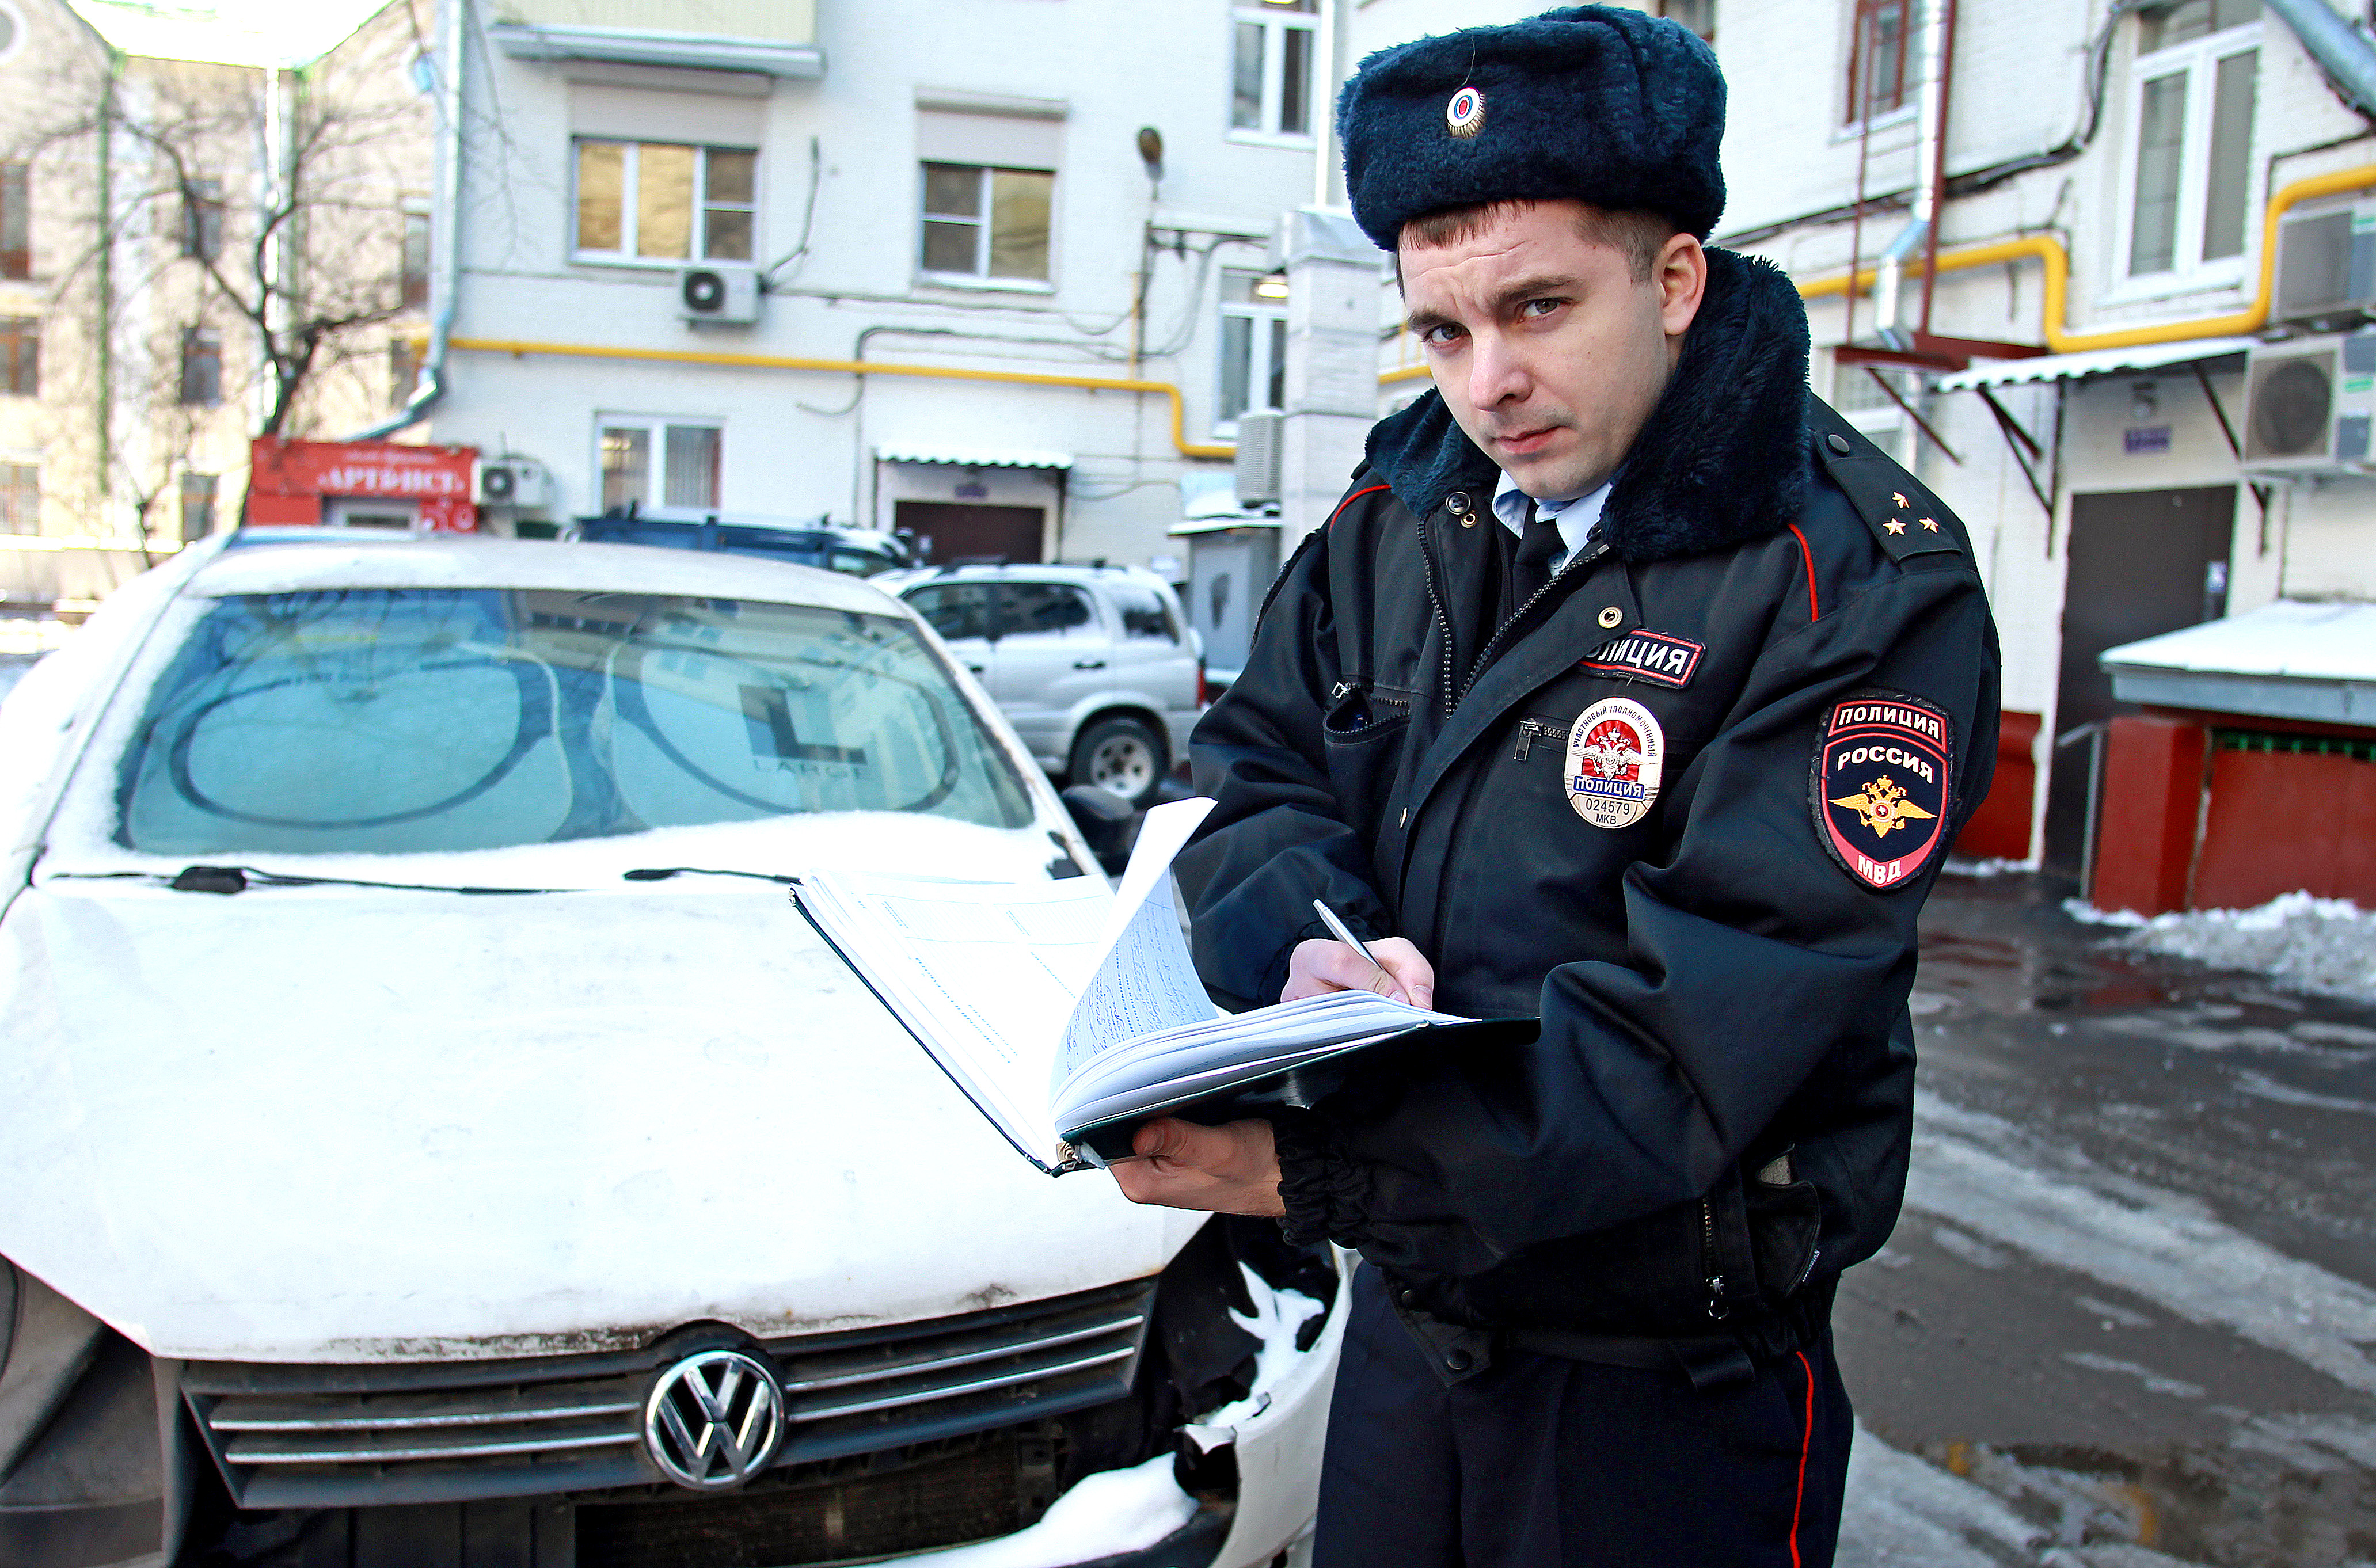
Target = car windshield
(406,721)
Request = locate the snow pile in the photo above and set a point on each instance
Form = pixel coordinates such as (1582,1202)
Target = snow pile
(1105,1515)
(2327,945)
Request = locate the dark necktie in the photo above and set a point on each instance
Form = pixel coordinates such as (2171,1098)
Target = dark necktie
(1539,546)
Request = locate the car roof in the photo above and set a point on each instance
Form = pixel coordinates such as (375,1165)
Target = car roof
(1050,572)
(340,559)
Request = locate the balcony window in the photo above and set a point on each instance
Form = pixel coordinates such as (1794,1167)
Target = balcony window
(412,263)
(1271,68)
(16,221)
(20,356)
(201,367)
(988,223)
(20,498)
(202,219)
(662,201)
(2196,82)
(198,507)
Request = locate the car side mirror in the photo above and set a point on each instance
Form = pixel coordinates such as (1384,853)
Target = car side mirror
(1109,822)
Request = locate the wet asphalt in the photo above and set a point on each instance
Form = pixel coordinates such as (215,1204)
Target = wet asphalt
(2127,1317)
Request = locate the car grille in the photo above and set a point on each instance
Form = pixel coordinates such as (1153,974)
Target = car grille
(355,1436)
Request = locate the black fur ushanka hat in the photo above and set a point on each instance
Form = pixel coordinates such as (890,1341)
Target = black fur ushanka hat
(1586,103)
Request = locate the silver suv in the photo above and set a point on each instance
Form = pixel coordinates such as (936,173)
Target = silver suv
(1095,666)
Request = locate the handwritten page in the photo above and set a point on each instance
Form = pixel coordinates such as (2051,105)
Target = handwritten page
(1146,980)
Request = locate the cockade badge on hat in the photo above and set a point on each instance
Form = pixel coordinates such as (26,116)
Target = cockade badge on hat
(1463,115)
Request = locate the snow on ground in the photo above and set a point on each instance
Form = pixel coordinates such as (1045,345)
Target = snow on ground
(2326,945)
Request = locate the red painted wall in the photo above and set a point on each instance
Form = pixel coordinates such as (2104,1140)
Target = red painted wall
(2280,822)
(2144,833)
(1999,829)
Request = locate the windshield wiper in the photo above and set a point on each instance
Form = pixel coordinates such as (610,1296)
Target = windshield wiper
(239,879)
(662,873)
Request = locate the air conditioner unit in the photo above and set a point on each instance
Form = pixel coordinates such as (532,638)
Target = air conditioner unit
(1262,457)
(2326,265)
(2309,403)
(717,292)
(513,481)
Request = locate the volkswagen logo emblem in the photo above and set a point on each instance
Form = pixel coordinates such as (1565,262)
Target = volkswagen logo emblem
(713,1420)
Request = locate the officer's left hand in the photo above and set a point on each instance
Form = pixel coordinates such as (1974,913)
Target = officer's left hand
(1231,1168)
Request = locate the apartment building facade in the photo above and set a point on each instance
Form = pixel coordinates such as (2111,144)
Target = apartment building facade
(2086,376)
(1043,226)
(141,165)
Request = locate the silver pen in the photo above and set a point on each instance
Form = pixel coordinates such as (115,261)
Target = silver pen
(1344,933)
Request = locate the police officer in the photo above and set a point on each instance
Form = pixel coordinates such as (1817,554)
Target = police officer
(1630,690)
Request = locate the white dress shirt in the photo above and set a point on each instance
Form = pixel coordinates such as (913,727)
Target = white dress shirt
(1578,516)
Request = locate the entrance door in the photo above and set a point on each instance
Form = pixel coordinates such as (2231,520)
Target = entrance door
(950,532)
(2142,562)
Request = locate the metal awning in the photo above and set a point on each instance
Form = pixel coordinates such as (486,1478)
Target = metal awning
(1222,524)
(972,457)
(2096,361)
(2288,659)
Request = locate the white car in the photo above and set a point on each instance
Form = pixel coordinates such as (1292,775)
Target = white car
(431,1135)
(1095,666)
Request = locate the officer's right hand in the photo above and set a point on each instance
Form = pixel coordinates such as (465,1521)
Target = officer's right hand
(1319,967)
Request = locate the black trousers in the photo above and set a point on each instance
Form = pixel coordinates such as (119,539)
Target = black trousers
(1541,1462)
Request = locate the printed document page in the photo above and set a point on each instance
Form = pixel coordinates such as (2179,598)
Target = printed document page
(986,972)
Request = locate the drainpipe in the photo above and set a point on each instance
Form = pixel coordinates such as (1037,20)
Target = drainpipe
(2341,49)
(104,294)
(1931,144)
(446,264)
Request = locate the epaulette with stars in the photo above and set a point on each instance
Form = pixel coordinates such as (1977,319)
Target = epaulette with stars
(1907,520)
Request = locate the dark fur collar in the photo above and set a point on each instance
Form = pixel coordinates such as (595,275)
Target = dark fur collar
(1724,457)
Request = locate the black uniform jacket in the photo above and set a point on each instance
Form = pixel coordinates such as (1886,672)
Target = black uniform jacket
(1785,618)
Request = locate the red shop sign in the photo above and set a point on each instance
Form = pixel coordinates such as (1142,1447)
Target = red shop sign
(288,480)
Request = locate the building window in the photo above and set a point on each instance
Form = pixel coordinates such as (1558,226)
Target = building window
(1882,76)
(650,462)
(1270,77)
(198,507)
(1254,346)
(412,268)
(20,355)
(403,369)
(20,498)
(1858,394)
(986,222)
(658,201)
(202,219)
(201,367)
(16,221)
(1698,16)
(2197,76)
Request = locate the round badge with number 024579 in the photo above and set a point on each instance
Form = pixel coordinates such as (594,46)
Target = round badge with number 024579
(1615,755)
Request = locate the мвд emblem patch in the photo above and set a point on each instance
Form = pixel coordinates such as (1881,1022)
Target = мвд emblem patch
(1615,755)
(1881,787)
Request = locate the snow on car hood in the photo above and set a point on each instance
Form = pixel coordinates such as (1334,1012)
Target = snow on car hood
(337,1124)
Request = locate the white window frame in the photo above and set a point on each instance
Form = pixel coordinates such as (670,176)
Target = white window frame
(982,279)
(631,167)
(1261,313)
(2199,58)
(1275,22)
(656,428)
